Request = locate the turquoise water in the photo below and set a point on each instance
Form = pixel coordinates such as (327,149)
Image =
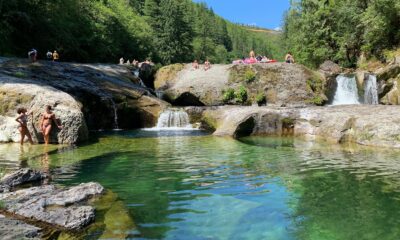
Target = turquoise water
(188,185)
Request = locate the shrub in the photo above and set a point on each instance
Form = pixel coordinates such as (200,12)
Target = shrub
(241,95)
(316,100)
(2,205)
(19,75)
(249,76)
(228,95)
(260,98)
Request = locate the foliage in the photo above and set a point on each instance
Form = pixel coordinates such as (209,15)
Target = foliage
(316,100)
(228,95)
(260,98)
(167,31)
(249,76)
(241,95)
(20,74)
(341,30)
(2,205)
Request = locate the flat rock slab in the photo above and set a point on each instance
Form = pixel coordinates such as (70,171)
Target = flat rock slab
(22,176)
(61,207)
(11,229)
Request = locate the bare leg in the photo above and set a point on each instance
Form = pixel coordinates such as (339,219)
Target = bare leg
(28,134)
(46,134)
(21,131)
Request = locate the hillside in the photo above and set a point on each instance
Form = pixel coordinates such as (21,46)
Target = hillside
(167,31)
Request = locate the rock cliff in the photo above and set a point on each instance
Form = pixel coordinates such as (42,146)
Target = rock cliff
(279,83)
(84,97)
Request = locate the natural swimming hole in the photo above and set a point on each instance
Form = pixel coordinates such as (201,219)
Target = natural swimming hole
(188,185)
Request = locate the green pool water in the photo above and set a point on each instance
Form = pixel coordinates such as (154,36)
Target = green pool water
(186,185)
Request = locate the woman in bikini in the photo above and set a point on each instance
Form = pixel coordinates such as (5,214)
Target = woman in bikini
(22,119)
(47,118)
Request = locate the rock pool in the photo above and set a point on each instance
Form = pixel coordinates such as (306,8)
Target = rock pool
(188,185)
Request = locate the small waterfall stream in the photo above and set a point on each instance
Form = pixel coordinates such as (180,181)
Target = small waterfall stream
(173,119)
(371,90)
(346,92)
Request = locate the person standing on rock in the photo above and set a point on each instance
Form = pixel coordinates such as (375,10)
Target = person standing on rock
(56,56)
(22,119)
(46,124)
(32,54)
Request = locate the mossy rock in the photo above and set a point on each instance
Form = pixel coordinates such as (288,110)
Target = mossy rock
(10,101)
(167,74)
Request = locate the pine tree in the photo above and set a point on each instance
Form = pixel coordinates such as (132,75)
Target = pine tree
(175,40)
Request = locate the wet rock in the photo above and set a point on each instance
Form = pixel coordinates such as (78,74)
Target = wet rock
(372,125)
(21,176)
(11,229)
(61,207)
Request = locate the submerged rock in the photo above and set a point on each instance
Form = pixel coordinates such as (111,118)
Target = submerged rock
(11,229)
(61,207)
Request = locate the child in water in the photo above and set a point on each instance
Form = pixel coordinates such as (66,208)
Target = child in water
(22,119)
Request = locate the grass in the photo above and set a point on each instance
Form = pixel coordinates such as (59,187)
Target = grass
(20,74)
(228,95)
(249,76)
(260,98)
(241,95)
(2,204)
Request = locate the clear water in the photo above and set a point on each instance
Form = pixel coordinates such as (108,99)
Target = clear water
(346,91)
(185,185)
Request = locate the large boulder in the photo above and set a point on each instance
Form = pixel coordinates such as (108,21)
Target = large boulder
(280,83)
(84,96)
(388,79)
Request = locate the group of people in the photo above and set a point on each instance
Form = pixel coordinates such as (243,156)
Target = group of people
(33,54)
(252,59)
(134,62)
(46,123)
(196,65)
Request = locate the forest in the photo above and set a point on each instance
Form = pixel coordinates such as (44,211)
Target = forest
(166,31)
(342,30)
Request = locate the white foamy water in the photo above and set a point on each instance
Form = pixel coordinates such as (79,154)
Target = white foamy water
(173,120)
(371,90)
(346,92)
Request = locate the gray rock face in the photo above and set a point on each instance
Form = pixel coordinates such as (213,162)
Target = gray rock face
(11,229)
(372,125)
(84,97)
(281,83)
(24,175)
(48,204)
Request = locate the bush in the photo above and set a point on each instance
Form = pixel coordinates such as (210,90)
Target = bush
(260,98)
(228,95)
(249,76)
(241,95)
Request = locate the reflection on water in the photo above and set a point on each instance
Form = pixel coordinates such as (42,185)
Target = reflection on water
(175,186)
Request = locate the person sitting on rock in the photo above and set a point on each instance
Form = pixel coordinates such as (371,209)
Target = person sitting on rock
(195,64)
(46,124)
(22,119)
(207,65)
(289,58)
(56,56)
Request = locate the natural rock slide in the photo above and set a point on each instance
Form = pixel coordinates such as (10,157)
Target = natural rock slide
(84,97)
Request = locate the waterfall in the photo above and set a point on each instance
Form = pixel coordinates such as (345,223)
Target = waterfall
(371,90)
(346,92)
(115,114)
(173,119)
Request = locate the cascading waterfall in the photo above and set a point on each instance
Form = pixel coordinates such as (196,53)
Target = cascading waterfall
(173,119)
(371,90)
(115,114)
(346,92)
